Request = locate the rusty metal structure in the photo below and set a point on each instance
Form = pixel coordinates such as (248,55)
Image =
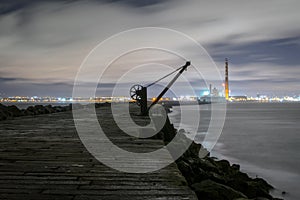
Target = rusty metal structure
(139,93)
(226,80)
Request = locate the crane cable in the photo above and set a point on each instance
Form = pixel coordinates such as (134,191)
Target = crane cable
(164,77)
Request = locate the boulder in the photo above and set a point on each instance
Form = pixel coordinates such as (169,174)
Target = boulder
(9,112)
(5,113)
(235,167)
(186,170)
(169,131)
(2,107)
(224,165)
(49,109)
(14,110)
(208,190)
(41,109)
(26,112)
(257,189)
(58,109)
(207,165)
(32,110)
(238,185)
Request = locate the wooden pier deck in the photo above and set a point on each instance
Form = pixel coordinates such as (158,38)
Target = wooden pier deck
(42,157)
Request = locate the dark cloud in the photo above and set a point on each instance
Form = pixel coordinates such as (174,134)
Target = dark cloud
(283,51)
(31,89)
(9,6)
(3,79)
(272,87)
(137,3)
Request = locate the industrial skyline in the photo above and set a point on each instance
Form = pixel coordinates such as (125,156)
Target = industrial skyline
(206,95)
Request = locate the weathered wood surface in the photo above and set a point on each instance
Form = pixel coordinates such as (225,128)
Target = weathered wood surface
(42,158)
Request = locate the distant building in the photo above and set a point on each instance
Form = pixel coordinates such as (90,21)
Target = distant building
(238,98)
(215,92)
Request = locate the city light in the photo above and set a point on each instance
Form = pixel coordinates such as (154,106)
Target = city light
(205,96)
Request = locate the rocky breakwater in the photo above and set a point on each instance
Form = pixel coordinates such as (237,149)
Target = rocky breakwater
(214,179)
(10,112)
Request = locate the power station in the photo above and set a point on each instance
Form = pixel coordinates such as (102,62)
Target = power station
(226,80)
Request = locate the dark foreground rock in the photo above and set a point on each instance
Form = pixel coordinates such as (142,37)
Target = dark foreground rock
(208,189)
(211,178)
(10,112)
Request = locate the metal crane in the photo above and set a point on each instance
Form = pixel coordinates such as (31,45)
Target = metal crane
(139,93)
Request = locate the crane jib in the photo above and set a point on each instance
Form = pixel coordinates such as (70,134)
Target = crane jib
(139,93)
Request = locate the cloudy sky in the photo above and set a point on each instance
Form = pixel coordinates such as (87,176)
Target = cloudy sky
(43,43)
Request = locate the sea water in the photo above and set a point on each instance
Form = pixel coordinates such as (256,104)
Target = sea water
(264,138)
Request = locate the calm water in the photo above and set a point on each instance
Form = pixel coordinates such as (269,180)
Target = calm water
(263,138)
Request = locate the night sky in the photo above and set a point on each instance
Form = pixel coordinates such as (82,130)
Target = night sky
(43,43)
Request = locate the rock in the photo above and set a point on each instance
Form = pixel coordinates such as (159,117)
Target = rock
(40,109)
(49,109)
(208,190)
(194,149)
(251,188)
(257,189)
(14,110)
(9,112)
(32,110)
(69,107)
(283,192)
(26,112)
(186,170)
(237,175)
(223,165)
(5,113)
(238,185)
(58,109)
(264,184)
(217,177)
(207,165)
(168,131)
(235,167)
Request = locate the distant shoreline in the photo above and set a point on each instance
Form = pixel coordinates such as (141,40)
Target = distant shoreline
(24,105)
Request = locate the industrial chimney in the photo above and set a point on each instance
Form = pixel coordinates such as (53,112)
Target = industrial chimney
(226,80)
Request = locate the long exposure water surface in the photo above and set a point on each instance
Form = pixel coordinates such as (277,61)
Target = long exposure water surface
(264,138)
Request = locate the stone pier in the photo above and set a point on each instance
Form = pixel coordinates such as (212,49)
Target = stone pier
(42,157)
